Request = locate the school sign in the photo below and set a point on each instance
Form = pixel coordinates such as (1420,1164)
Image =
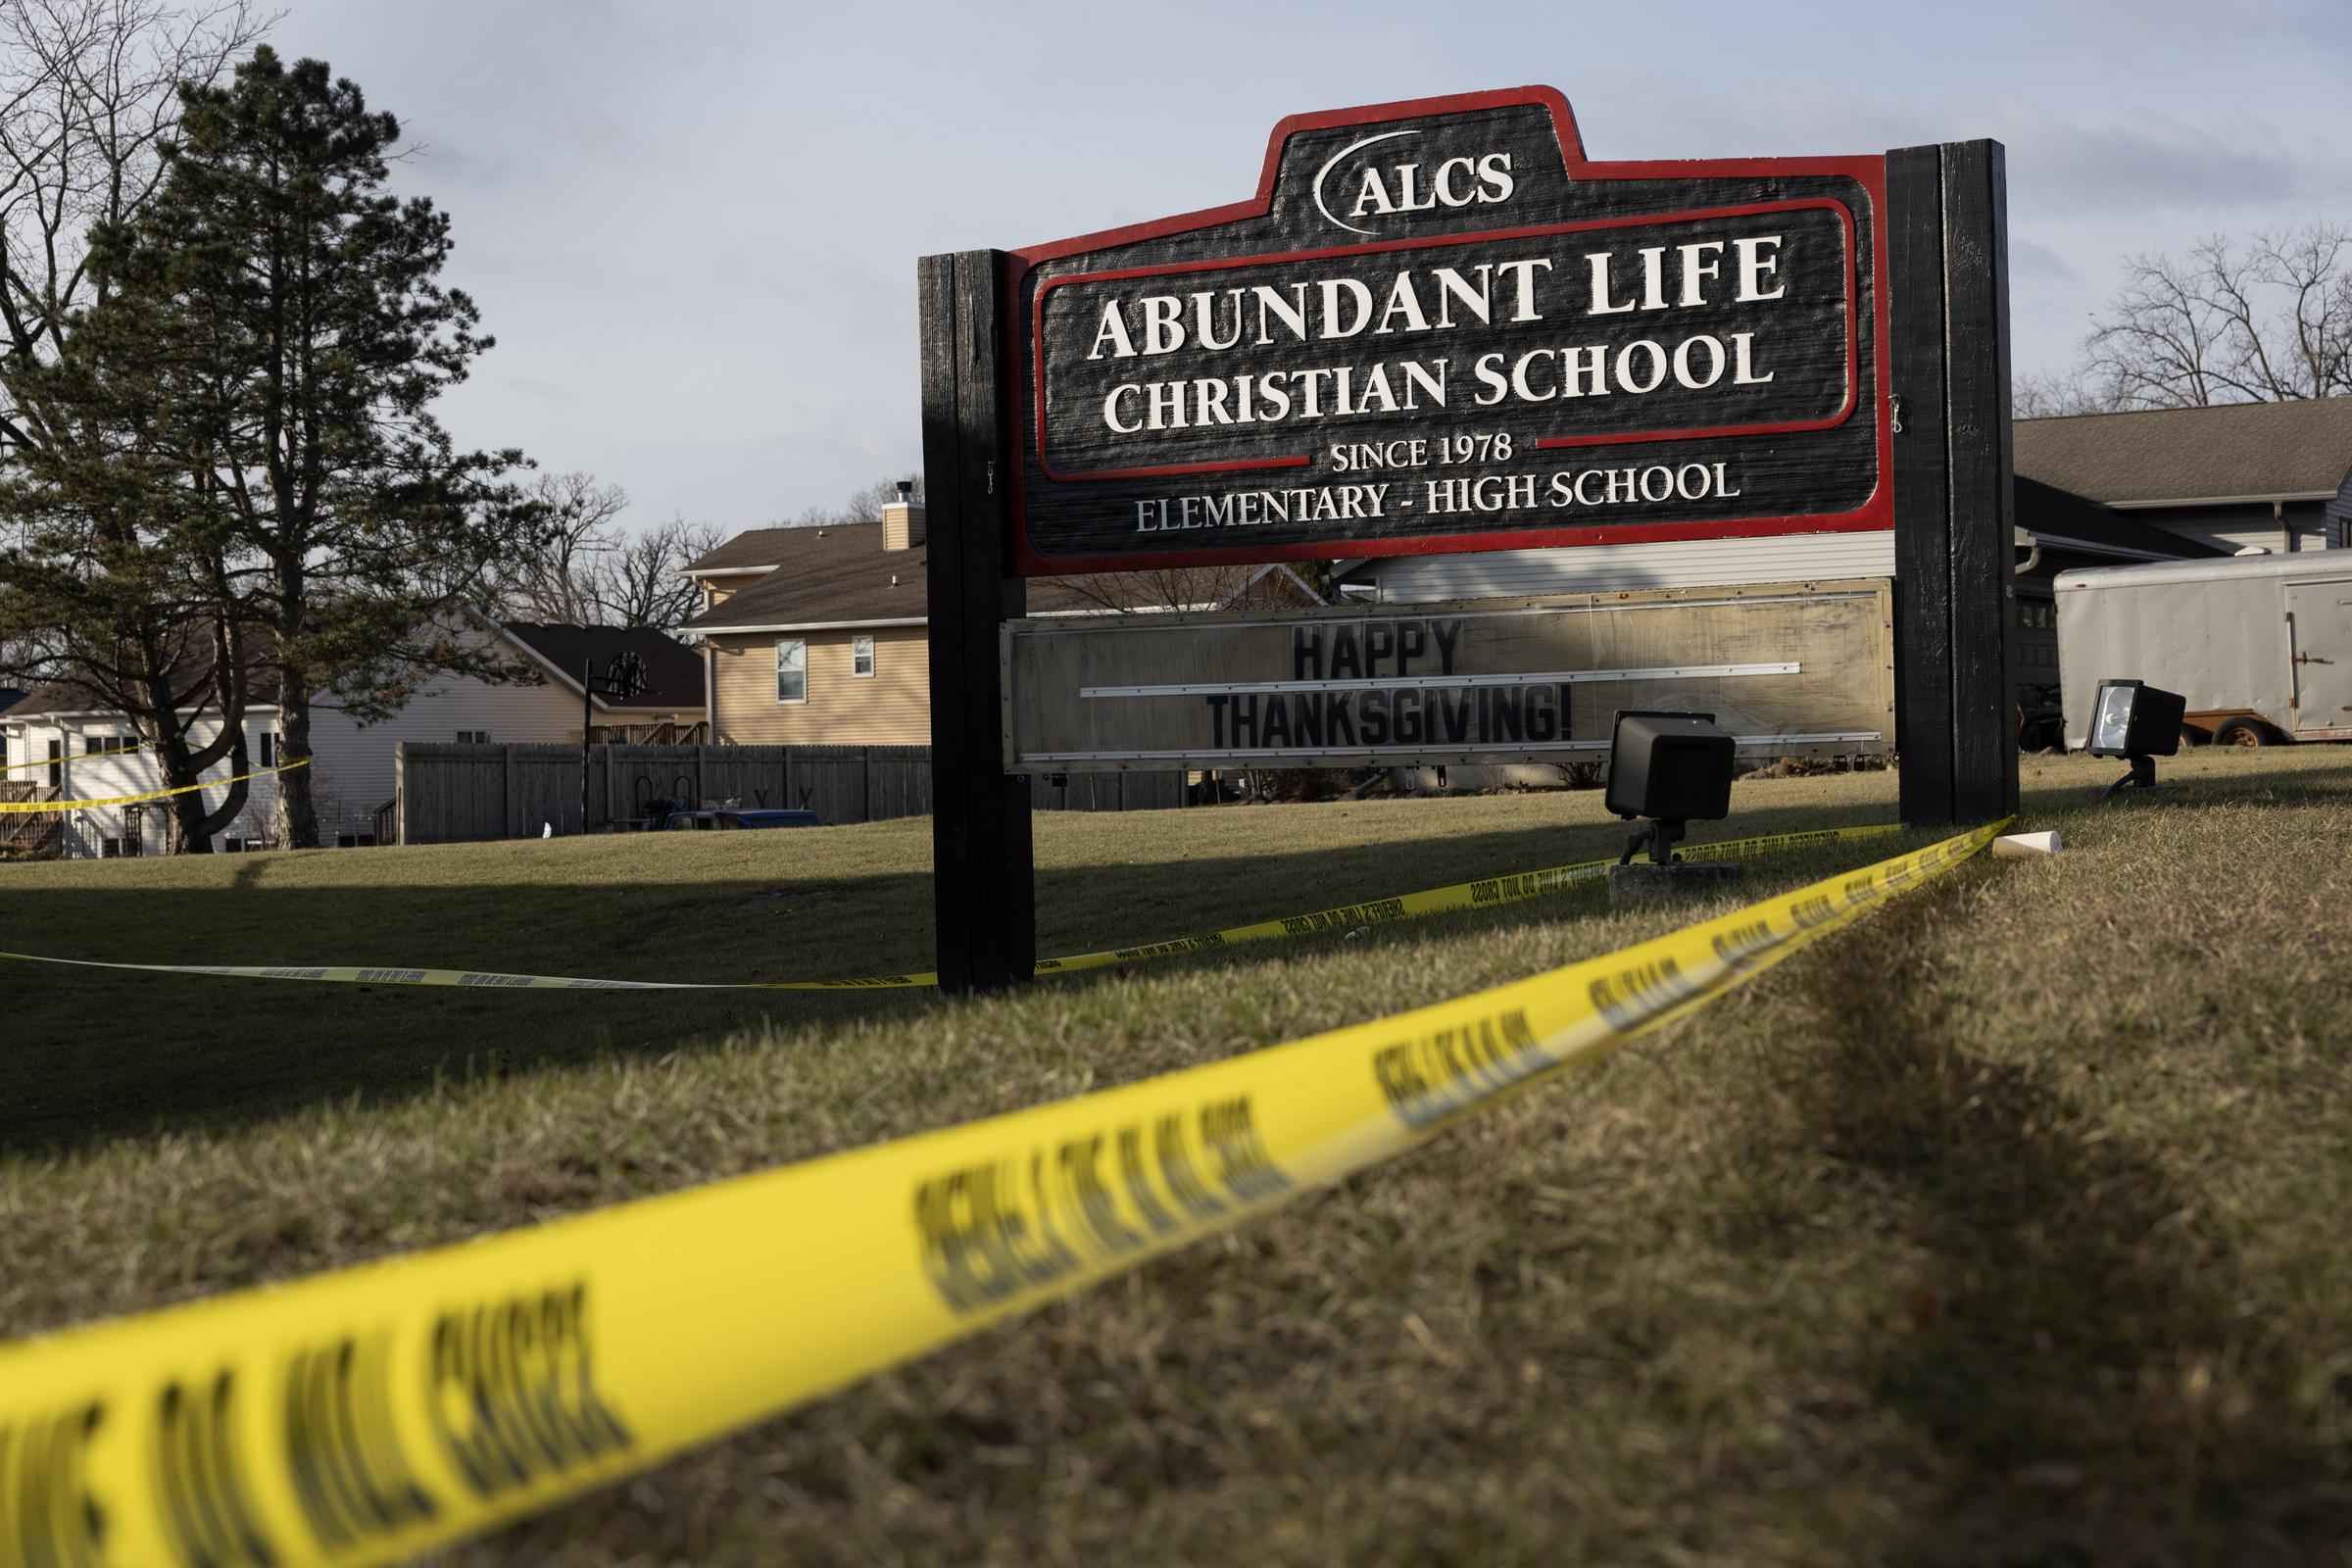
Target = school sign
(1439,326)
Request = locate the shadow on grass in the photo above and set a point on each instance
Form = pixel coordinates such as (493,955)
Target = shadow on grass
(2070,1350)
(96,1055)
(2329,784)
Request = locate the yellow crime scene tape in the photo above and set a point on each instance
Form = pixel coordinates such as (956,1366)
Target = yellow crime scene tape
(1484,893)
(52,761)
(51,807)
(370,1414)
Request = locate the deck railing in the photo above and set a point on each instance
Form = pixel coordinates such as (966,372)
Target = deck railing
(30,833)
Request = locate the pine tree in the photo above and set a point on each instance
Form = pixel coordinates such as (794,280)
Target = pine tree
(286,313)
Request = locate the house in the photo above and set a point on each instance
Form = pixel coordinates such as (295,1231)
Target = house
(2274,476)
(61,746)
(2047,517)
(352,767)
(667,712)
(819,635)
(2056,531)
(2093,489)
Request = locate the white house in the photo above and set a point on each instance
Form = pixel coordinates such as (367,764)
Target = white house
(2275,477)
(56,743)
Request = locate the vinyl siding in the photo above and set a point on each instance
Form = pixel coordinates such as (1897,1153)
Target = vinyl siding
(890,708)
(352,766)
(103,777)
(355,762)
(1587,569)
(2231,528)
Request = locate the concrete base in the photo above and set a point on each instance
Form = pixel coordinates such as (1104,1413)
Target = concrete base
(1643,884)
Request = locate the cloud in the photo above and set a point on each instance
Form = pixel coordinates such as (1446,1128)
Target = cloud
(2150,161)
(2156,164)
(2038,264)
(701,221)
(537,389)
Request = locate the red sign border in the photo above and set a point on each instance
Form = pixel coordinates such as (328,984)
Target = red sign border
(1867,170)
(1845,406)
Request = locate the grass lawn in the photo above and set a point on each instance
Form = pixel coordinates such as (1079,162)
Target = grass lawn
(2008,1227)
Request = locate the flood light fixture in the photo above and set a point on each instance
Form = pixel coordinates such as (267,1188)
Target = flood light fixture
(1673,769)
(2139,722)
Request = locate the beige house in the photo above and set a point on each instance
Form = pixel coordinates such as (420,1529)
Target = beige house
(820,636)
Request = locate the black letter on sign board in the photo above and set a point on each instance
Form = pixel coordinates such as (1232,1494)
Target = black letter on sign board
(983,895)
(1955,690)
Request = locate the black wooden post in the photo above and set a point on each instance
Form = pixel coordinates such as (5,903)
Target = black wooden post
(1954,511)
(982,872)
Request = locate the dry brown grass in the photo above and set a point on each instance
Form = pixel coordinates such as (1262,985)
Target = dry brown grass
(2008,1227)
(98,1054)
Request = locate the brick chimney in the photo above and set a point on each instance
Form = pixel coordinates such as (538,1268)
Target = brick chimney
(903,519)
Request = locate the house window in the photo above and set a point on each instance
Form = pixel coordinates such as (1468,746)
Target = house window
(862,656)
(792,670)
(110,848)
(473,737)
(57,767)
(99,745)
(266,748)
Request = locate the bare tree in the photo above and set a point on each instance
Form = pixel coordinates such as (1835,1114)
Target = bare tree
(2049,395)
(550,583)
(864,505)
(89,97)
(1161,588)
(1182,587)
(644,583)
(89,593)
(2270,321)
(588,571)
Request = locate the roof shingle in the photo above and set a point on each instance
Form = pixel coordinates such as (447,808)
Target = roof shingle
(754,548)
(673,671)
(2234,451)
(840,575)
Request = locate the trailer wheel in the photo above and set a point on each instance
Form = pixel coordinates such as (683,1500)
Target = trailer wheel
(2246,732)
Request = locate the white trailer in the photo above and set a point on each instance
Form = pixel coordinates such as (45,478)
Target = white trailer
(2260,644)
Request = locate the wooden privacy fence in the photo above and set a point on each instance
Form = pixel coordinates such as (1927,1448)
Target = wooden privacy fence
(448,794)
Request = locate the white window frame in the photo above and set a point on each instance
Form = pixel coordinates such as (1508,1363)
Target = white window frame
(862,656)
(799,666)
(473,737)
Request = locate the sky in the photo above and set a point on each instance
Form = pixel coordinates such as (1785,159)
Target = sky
(693,227)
